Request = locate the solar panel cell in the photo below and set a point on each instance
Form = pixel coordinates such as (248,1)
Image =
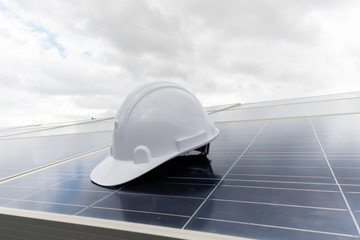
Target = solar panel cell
(258,231)
(20,155)
(181,206)
(137,217)
(73,197)
(308,179)
(169,189)
(354,200)
(281,185)
(284,171)
(281,216)
(82,185)
(4,201)
(324,199)
(10,192)
(46,207)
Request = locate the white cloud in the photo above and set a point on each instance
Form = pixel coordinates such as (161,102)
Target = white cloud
(72,60)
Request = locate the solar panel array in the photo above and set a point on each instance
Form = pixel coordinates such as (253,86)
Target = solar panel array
(276,171)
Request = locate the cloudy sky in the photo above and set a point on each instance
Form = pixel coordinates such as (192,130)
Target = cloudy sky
(72,60)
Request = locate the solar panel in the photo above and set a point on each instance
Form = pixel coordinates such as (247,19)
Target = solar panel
(24,154)
(95,126)
(280,175)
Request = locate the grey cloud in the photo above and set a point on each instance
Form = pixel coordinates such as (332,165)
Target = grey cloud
(59,77)
(270,19)
(4,33)
(134,27)
(248,49)
(138,28)
(102,102)
(142,69)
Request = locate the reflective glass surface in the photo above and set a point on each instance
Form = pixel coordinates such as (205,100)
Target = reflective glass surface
(283,177)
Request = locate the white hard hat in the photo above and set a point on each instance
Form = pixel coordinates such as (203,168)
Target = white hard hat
(155,123)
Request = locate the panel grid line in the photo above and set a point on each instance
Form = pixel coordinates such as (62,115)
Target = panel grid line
(286,182)
(98,201)
(36,192)
(278,188)
(52,203)
(284,118)
(276,175)
(217,185)
(225,108)
(277,204)
(335,179)
(245,105)
(54,135)
(158,195)
(49,165)
(279,227)
(277,166)
(140,211)
(56,127)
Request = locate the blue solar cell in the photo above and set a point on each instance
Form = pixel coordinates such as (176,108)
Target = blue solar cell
(284,185)
(279,143)
(182,206)
(10,192)
(82,185)
(357,216)
(288,157)
(191,181)
(348,180)
(81,198)
(286,171)
(312,179)
(280,149)
(343,157)
(351,188)
(34,182)
(281,196)
(137,217)
(345,163)
(19,155)
(259,232)
(354,200)
(347,172)
(5,201)
(46,207)
(281,162)
(43,176)
(282,216)
(169,189)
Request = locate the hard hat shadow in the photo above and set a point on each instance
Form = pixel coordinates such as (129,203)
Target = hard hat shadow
(185,169)
(189,166)
(171,192)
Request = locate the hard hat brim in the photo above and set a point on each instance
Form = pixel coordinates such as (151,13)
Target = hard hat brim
(112,172)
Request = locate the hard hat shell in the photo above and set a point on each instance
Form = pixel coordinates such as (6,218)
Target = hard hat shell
(155,123)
